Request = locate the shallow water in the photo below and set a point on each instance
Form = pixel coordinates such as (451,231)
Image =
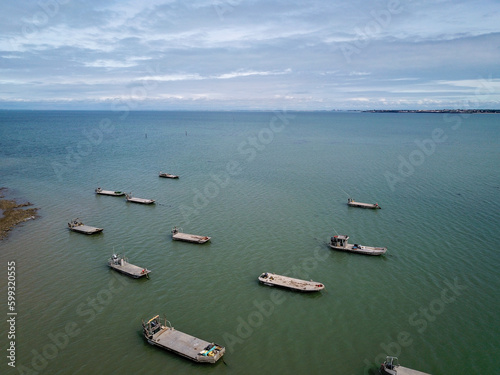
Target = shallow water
(270,189)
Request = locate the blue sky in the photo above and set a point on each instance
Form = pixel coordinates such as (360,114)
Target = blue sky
(250,54)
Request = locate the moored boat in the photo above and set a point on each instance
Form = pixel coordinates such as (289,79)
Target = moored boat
(167,175)
(273,279)
(351,202)
(177,235)
(130,198)
(109,192)
(342,243)
(122,265)
(166,337)
(77,226)
(391,366)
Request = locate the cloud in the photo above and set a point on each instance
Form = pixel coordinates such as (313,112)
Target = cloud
(359,74)
(196,77)
(249,54)
(109,64)
(492,85)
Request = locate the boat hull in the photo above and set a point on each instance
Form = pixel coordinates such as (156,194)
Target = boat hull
(365,205)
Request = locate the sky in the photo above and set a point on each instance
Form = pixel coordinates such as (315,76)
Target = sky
(249,54)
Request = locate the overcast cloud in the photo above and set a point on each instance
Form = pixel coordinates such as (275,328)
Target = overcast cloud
(250,54)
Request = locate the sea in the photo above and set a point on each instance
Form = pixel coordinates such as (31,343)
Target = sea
(270,189)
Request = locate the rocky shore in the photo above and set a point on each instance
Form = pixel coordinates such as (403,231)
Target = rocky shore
(13,213)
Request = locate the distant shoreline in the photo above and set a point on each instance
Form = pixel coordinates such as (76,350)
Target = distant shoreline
(472,111)
(433,111)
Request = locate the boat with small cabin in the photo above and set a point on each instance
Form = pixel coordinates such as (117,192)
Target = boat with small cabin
(391,367)
(167,175)
(273,279)
(130,198)
(77,226)
(109,192)
(351,202)
(342,243)
(166,337)
(122,265)
(177,235)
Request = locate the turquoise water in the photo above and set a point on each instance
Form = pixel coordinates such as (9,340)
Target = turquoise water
(270,188)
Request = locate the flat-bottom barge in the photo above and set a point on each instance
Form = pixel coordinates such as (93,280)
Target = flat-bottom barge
(166,337)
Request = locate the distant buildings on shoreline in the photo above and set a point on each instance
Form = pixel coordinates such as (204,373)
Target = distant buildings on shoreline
(433,111)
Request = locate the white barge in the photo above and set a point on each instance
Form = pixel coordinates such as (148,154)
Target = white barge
(273,279)
(77,226)
(109,192)
(166,337)
(130,198)
(122,265)
(342,243)
(177,235)
(351,202)
(391,367)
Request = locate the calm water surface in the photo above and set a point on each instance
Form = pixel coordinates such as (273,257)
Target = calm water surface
(270,189)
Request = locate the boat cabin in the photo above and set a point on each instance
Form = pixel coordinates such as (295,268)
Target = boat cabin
(339,241)
(390,365)
(152,327)
(117,260)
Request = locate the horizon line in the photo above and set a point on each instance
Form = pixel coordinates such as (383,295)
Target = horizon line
(491,110)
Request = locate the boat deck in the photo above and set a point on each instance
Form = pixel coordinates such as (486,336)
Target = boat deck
(340,242)
(168,175)
(400,370)
(353,203)
(86,229)
(140,200)
(193,348)
(391,367)
(109,192)
(183,344)
(360,249)
(193,238)
(129,269)
(272,279)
